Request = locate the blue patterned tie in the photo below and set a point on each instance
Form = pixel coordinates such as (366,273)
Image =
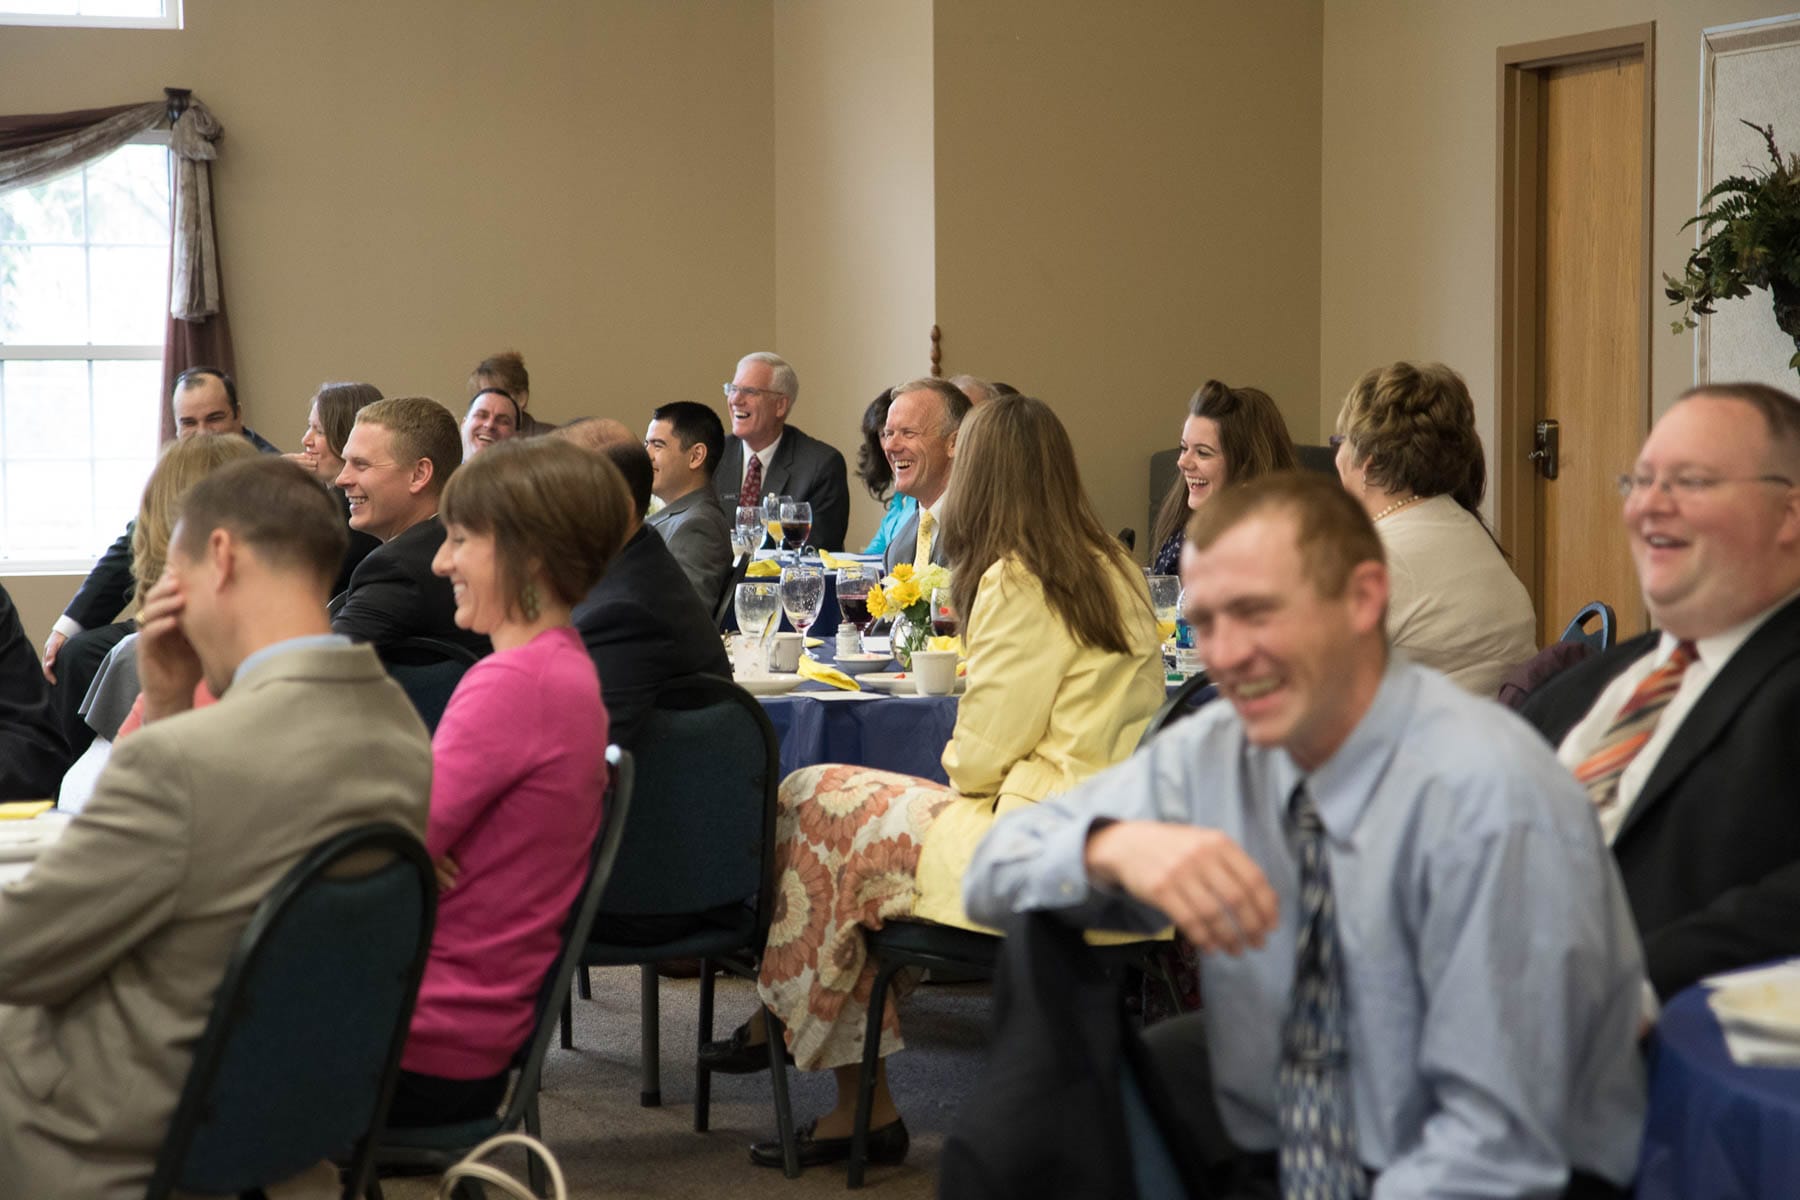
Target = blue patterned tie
(1318,1158)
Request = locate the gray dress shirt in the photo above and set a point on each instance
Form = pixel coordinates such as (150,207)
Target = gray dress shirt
(699,537)
(1491,970)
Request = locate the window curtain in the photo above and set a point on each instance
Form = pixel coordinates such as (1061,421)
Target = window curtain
(34,149)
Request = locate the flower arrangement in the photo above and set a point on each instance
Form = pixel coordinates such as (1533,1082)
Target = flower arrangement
(1749,238)
(905,596)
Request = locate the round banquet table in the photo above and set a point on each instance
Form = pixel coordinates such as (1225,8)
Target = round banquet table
(1715,1130)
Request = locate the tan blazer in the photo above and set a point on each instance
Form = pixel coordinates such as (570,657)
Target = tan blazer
(1042,713)
(111,948)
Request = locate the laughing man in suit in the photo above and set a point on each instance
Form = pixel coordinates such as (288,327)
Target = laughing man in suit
(919,440)
(112,946)
(684,441)
(789,463)
(1684,737)
(400,454)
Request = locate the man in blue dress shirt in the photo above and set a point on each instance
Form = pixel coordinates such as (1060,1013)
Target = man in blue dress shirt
(1372,860)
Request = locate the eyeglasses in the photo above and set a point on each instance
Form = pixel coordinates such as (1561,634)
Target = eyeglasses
(1689,486)
(1336,440)
(733,391)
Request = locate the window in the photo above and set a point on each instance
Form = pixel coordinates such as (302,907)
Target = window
(84,265)
(116,14)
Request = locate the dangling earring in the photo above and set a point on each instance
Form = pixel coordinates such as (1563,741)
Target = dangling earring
(528,601)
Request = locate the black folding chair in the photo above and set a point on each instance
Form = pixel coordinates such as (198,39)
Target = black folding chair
(1197,691)
(1604,623)
(428,670)
(699,861)
(438,1147)
(298,1060)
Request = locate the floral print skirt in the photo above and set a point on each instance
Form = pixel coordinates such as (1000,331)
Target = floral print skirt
(846,859)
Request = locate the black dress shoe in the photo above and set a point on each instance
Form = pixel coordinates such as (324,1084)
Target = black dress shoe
(887,1147)
(736,1055)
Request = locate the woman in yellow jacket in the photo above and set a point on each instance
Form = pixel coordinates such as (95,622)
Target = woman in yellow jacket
(1064,672)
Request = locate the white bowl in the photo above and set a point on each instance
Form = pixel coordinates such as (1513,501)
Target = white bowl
(862,664)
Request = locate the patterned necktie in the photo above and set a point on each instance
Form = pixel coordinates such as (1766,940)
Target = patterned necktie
(1599,773)
(751,492)
(1317,1157)
(922,547)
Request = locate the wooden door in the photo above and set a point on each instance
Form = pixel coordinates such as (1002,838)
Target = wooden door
(1590,332)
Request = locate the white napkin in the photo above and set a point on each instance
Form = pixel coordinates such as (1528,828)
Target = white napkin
(1759,1011)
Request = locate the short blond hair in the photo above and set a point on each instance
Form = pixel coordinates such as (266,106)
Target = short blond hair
(422,429)
(1333,532)
(182,464)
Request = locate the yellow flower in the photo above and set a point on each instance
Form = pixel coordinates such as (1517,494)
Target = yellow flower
(877,603)
(902,572)
(904,593)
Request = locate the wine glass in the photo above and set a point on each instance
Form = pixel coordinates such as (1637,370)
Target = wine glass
(771,515)
(854,581)
(747,534)
(758,605)
(1165,596)
(796,525)
(943,615)
(802,593)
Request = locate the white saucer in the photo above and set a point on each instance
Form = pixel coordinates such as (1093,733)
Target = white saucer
(770,685)
(900,683)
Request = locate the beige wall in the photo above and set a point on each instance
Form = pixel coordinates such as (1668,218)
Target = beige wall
(855,279)
(1410,186)
(406,186)
(1128,204)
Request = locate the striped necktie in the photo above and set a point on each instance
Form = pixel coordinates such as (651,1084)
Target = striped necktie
(751,492)
(1317,1159)
(922,547)
(1631,729)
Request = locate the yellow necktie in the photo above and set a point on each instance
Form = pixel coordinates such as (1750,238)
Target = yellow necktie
(922,547)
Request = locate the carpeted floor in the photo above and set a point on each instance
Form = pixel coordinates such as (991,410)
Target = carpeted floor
(610,1146)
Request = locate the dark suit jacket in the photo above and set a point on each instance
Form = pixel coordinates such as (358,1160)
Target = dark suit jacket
(33,754)
(108,588)
(393,595)
(644,626)
(1710,853)
(804,468)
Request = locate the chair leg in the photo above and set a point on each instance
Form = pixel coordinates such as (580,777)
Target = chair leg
(584,983)
(784,1110)
(651,1094)
(871,1064)
(534,1166)
(703,1076)
(568,1024)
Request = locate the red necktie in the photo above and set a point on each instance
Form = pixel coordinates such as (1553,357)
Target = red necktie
(1631,729)
(751,492)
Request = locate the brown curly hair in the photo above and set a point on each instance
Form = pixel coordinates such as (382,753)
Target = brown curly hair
(1411,427)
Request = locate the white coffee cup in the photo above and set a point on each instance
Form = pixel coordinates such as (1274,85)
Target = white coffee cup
(784,653)
(934,672)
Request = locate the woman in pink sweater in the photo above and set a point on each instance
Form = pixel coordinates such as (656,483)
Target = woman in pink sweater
(518,764)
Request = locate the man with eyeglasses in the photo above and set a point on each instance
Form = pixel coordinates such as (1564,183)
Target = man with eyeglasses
(1685,737)
(764,454)
(919,440)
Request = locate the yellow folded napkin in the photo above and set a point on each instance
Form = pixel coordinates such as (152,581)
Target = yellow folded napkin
(812,668)
(24,810)
(834,561)
(763,568)
(950,642)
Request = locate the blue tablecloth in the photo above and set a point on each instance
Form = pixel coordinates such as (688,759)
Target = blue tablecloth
(894,733)
(1716,1131)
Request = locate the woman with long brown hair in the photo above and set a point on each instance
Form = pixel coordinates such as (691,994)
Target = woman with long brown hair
(1064,672)
(1231,435)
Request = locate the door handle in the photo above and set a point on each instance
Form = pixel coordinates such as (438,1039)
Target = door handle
(1547,449)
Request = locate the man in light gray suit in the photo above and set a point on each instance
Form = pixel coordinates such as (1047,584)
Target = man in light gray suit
(684,441)
(113,944)
(764,454)
(919,440)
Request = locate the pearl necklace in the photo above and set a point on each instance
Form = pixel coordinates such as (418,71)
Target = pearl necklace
(1396,507)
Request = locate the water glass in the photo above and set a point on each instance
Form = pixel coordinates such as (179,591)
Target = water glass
(748,532)
(758,603)
(802,593)
(1165,598)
